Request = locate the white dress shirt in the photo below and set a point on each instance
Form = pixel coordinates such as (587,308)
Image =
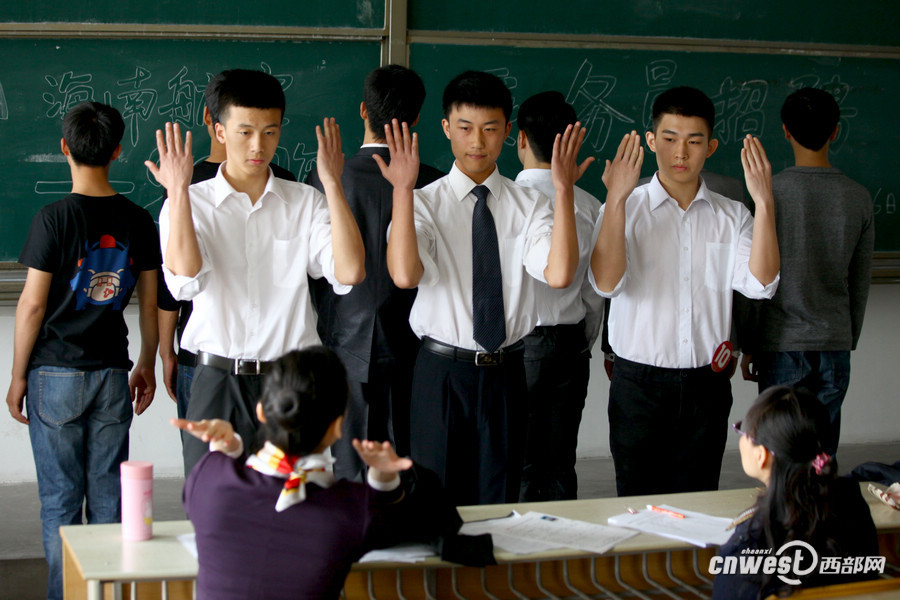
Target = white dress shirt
(570,305)
(672,307)
(443,220)
(251,296)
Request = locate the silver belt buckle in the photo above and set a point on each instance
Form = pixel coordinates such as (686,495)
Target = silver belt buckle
(240,365)
(486,359)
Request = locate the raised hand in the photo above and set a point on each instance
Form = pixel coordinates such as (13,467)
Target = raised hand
(220,432)
(404,147)
(329,157)
(622,173)
(564,165)
(757,170)
(176,163)
(381,458)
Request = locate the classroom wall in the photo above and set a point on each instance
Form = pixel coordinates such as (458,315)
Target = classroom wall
(872,407)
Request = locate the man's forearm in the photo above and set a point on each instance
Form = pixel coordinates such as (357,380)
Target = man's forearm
(182,251)
(608,260)
(147,316)
(765,259)
(346,241)
(404,264)
(562,260)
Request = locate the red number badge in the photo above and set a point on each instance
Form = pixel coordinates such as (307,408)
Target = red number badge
(722,356)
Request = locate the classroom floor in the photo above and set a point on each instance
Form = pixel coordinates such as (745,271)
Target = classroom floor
(23,571)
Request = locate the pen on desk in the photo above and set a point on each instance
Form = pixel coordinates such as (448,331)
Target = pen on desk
(665,511)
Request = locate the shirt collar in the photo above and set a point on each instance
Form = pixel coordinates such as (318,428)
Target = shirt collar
(374,145)
(534,175)
(222,189)
(658,194)
(462,185)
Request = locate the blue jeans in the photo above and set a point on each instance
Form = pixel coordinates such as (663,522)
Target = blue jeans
(825,374)
(79,435)
(183,389)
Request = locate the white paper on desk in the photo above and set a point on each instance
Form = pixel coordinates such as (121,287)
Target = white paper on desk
(405,553)
(497,528)
(189,541)
(568,533)
(696,528)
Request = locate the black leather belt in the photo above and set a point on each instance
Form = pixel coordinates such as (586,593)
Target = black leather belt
(187,358)
(238,366)
(481,359)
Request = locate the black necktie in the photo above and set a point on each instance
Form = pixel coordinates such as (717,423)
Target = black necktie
(488,321)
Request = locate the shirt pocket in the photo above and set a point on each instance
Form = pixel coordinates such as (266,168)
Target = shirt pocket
(718,266)
(289,261)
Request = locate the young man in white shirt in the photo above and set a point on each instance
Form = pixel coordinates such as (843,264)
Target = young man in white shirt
(670,252)
(473,306)
(241,245)
(557,352)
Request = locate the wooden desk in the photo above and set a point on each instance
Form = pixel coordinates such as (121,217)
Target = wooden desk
(644,566)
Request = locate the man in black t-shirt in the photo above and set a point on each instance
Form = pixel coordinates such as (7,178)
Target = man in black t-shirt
(85,255)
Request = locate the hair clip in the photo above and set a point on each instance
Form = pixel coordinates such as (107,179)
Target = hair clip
(820,461)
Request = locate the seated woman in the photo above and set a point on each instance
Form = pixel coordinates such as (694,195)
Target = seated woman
(782,446)
(278,525)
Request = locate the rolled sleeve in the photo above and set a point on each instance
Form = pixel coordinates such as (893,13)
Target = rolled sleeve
(425,242)
(182,287)
(538,238)
(590,272)
(744,281)
(321,249)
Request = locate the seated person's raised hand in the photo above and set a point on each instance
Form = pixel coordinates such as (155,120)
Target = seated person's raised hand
(219,433)
(383,462)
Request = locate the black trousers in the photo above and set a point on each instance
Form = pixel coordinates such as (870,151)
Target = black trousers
(376,410)
(557,369)
(467,425)
(219,394)
(667,427)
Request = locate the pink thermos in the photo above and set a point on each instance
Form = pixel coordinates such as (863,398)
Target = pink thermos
(137,500)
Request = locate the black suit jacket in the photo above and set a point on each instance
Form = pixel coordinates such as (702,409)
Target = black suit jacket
(372,321)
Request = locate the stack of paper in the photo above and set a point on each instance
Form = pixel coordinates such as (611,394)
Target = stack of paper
(696,528)
(538,532)
(405,553)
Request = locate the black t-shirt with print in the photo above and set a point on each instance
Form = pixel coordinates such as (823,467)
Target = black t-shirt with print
(96,248)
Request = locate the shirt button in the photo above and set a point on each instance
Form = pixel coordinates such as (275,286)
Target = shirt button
(685,248)
(686,278)
(684,341)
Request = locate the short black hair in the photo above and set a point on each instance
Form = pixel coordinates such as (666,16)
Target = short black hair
(242,87)
(92,132)
(810,116)
(477,88)
(686,102)
(302,395)
(392,92)
(543,116)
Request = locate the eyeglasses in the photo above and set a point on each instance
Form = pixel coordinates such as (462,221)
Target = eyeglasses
(737,428)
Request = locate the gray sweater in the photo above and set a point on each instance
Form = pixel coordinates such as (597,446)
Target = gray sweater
(826,236)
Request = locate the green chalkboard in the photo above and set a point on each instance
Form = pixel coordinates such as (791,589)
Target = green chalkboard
(150,82)
(872,22)
(282,13)
(613,90)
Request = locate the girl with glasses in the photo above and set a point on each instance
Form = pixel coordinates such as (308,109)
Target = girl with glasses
(781,445)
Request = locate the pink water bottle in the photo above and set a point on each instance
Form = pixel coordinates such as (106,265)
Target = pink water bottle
(137,500)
